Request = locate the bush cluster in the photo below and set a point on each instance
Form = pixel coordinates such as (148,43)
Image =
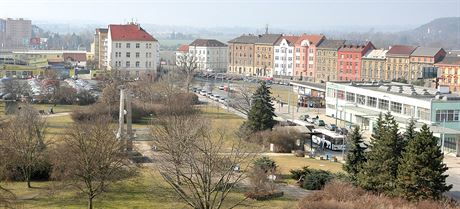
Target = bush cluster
(344,195)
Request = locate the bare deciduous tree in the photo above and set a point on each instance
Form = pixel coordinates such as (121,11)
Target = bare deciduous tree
(199,163)
(241,97)
(24,142)
(187,63)
(15,88)
(90,158)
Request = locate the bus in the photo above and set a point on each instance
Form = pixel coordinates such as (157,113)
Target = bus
(328,139)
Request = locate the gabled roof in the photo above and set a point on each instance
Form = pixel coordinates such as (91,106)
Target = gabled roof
(426,51)
(256,39)
(331,44)
(376,54)
(449,61)
(401,50)
(208,43)
(289,39)
(183,48)
(314,39)
(354,46)
(129,32)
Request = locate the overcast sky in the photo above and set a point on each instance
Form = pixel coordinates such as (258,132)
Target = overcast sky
(251,13)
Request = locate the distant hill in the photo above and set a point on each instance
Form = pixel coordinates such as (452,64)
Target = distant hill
(441,32)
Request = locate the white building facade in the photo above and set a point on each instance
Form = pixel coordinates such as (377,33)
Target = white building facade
(284,57)
(132,50)
(210,55)
(360,103)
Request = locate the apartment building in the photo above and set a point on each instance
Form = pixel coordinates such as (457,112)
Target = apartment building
(284,56)
(264,53)
(305,56)
(349,59)
(211,54)
(326,56)
(398,62)
(449,72)
(374,65)
(15,33)
(422,60)
(100,48)
(252,55)
(132,50)
(241,51)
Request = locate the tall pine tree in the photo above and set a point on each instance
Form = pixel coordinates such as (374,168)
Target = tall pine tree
(380,171)
(355,156)
(421,173)
(260,116)
(410,133)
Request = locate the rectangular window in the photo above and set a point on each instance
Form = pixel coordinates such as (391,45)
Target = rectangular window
(447,115)
(137,54)
(128,54)
(138,64)
(138,45)
(371,101)
(350,97)
(341,94)
(423,113)
(128,45)
(128,64)
(396,107)
(383,104)
(361,99)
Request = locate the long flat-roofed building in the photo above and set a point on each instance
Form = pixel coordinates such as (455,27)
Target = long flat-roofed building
(361,103)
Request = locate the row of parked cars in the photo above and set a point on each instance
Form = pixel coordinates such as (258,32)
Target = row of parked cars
(317,121)
(210,95)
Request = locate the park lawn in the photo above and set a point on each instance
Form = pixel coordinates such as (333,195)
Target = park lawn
(57,126)
(147,190)
(287,163)
(283,93)
(56,109)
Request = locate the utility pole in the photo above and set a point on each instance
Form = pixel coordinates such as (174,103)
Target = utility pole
(129,122)
(121,115)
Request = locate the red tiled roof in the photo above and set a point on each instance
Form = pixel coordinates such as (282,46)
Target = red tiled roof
(402,50)
(183,48)
(130,32)
(314,39)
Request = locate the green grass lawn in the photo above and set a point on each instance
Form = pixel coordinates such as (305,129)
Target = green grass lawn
(283,93)
(57,126)
(56,109)
(147,190)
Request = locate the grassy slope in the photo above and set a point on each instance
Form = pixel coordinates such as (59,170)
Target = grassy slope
(148,190)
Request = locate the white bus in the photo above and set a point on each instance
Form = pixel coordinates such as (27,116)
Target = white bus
(328,139)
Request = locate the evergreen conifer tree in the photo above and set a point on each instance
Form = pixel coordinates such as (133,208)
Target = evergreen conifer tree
(355,156)
(421,173)
(260,116)
(380,170)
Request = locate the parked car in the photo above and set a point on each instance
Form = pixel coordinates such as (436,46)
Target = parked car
(304,117)
(209,94)
(319,122)
(221,87)
(203,92)
(216,98)
(222,100)
(331,127)
(311,120)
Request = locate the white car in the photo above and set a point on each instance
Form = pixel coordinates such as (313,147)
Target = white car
(221,87)
(203,93)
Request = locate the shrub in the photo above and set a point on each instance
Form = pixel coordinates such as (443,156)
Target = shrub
(300,173)
(284,139)
(316,179)
(344,195)
(264,196)
(84,97)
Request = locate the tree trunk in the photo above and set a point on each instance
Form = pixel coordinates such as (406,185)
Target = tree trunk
(90,203)
(28,182)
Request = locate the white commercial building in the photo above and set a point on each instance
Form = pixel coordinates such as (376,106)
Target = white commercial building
(284,56)
(360,103)
(131,50)
(209,54)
